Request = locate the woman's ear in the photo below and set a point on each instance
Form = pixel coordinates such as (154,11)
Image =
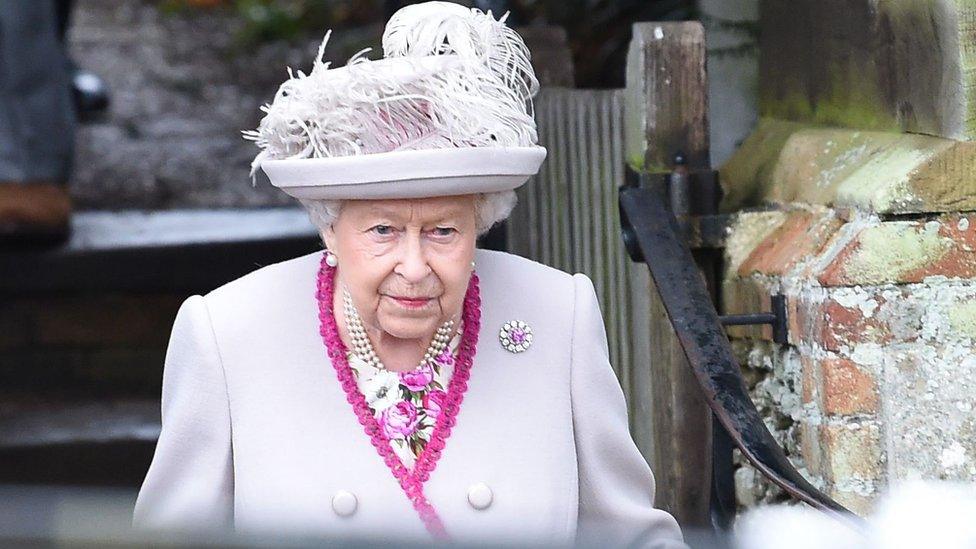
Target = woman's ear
(329,238)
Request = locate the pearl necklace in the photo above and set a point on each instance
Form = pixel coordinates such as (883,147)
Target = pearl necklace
(363,347)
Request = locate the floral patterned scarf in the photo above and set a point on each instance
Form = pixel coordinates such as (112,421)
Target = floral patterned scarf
(406,404)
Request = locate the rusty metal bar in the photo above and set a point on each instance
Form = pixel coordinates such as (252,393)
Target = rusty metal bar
(653,236)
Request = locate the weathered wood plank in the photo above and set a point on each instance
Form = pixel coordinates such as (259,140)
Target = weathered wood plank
(666,113)
(658,67)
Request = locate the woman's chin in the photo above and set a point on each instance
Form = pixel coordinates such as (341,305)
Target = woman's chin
(409,333)
(408,327)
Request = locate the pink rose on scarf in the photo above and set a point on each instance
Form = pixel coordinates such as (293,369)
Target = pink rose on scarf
(446,358)
(418,378)
(399,421)
(433,402)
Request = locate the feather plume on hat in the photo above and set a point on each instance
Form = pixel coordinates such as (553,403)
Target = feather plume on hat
(452,78)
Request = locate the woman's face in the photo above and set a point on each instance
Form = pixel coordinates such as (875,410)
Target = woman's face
(406,263)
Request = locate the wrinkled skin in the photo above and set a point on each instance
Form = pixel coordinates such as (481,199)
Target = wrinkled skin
(407,264)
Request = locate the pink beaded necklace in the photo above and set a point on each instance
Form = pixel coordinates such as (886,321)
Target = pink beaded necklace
(413,481)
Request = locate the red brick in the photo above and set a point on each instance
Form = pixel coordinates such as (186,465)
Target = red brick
(861,504)
(847,389)
(960,260)
(796,319)
(809,380)
(852,452)
(804,318)
(802,235)
(811,448)
(840,325)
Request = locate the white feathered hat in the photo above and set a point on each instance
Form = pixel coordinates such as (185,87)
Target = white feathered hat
(448,110)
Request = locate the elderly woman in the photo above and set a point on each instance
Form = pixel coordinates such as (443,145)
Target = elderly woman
(402,383)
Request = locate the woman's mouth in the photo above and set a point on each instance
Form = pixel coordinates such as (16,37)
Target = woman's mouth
(412,302)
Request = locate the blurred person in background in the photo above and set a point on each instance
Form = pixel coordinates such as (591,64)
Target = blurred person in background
(42,94)
(88,90)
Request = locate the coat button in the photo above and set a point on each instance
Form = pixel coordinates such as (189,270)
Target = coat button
(344,503)
(479,496)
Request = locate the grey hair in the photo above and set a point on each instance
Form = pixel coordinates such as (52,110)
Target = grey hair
(489,209)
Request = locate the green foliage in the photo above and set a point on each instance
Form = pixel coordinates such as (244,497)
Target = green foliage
(267,20)
(289,20)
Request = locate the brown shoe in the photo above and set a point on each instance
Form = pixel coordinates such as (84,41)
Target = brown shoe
(34,214)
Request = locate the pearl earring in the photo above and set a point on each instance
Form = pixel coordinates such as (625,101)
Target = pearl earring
(330,259)
(472,265)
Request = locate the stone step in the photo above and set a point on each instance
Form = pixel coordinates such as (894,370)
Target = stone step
(95,443)
(167,250)
(47,422)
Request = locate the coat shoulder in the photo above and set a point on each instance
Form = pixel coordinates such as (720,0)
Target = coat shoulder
(517,283)
(279,285)
(520,272)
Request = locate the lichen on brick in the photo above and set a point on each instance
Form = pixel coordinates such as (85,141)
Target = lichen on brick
(962,318)
(881,172)
(856,298)
(889,249)
(746,231)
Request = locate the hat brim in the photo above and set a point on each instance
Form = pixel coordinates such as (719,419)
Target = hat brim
(407,174)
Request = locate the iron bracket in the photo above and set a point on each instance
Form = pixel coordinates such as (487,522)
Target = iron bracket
(775,318)
(692,197)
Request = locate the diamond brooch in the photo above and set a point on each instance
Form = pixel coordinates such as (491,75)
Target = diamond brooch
(515,336)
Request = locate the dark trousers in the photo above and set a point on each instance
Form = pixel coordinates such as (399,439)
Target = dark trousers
(37,118)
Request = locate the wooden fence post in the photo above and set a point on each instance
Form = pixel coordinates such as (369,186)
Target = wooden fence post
(665,113)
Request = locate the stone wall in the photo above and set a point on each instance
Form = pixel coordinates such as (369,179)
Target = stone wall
(901,65)
(183,87)
(80,368)
(871,237)
(733,60)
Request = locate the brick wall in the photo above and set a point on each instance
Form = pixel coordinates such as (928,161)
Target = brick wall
(876,383)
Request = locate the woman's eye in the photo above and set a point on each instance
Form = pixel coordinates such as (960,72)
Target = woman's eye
(383,230)
(444,231)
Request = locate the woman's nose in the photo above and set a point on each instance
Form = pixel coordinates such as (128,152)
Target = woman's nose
(413,264)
